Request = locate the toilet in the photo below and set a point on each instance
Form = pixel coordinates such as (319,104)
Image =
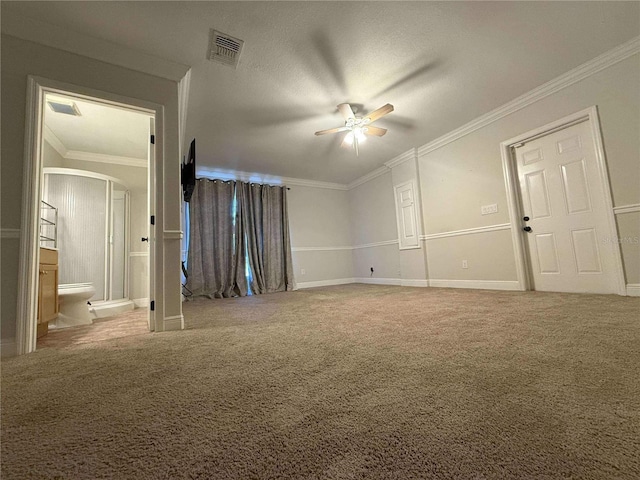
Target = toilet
(74,309)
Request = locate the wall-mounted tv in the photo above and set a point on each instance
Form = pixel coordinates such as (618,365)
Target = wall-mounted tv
(189,172)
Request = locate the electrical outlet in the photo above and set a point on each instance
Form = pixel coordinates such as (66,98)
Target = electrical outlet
(465,264)
(303,271)
(489,209)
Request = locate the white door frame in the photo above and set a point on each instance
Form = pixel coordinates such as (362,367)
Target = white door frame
(512,184)
(37,87)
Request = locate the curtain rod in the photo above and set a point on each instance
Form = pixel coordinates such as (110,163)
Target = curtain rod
(251,183)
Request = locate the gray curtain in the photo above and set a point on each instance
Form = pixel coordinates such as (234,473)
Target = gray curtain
(216,259)
(266,228)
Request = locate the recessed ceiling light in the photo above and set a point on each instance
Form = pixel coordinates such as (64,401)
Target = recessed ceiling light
(63,106)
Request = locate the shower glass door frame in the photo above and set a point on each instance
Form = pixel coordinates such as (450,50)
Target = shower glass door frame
(109,268)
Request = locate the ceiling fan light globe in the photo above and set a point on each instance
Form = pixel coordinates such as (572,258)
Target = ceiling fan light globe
(348,139)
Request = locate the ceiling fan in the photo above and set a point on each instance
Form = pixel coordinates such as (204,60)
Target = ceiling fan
(359,127)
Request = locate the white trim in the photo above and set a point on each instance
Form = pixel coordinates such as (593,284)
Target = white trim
(378,281)
(9,233)
(627,209)
(29,257)
(172,234)
(219,174)
(633,289)
(184,86)
(376,244)
(175,322)
(54,141)
(324,283)
(476,284)
(467,231)
(354,247)
(581,72)
(368,177)
(318,249)
(8,348)
(414,282)
(65,39)
(138,254)
(512,185)
(140,302)
(414,213)
(103,158)
(402,158)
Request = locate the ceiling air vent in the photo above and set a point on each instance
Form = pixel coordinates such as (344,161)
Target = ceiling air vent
(66,107)
(224,48)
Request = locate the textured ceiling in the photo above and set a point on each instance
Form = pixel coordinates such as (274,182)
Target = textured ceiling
(441,64)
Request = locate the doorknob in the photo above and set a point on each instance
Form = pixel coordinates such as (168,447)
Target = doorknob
(526,229)
(145,239)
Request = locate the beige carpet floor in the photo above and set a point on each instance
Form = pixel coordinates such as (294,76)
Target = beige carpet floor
(349,382)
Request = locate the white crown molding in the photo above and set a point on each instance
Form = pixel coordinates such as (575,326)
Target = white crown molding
(55,142)
(402,158)
(218,174)
(10,233)
(581,72)
(368,177)
(32,30)
(633,289)
(467,231)
(476,284)
(102,158)
(376,244)
(627,209)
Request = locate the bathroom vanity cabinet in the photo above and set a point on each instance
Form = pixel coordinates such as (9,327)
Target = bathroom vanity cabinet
(48,289)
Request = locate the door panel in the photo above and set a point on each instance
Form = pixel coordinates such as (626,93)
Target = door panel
(576,188)
(561,194)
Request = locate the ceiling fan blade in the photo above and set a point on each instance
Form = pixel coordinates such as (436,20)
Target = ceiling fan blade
(382,111)
(377,131)
(332,130)
(345,110)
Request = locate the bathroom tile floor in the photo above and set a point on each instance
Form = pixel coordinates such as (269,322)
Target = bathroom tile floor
(123,325)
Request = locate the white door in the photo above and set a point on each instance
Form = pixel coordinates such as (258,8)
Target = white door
(564,200)
(406,216)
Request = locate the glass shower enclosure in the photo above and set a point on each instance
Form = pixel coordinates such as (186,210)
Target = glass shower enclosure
(92,231)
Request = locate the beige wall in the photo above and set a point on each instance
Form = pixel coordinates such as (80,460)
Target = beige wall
(320,230)
(50,156)
(373,220)
(22,58)
(460,177)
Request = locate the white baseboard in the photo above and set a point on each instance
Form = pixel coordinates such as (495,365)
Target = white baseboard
(378,281)
(175,322)
(8,348)
(633,289)
(414,282)
(324,283)
(140,302)
(109,309)
(479,284)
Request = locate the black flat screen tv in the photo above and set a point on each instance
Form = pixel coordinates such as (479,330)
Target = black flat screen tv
(188,176)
